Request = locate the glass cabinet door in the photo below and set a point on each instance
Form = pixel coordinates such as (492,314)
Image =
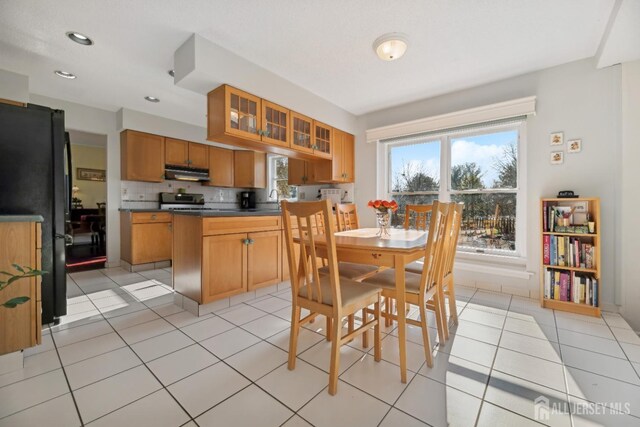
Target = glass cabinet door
(301,132)
(243,113)
(275,124)
(322,139)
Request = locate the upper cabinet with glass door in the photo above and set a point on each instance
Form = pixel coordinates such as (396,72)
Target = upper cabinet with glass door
(275,124)
(233,113)
(301,133)
(322,139)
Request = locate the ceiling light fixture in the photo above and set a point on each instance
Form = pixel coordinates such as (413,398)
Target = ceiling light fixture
(172,73)
(79,38)
(64,74)
(391,46)
(152,99)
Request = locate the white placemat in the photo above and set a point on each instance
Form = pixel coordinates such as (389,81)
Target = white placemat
(394,234)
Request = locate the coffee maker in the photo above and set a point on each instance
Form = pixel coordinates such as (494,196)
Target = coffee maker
(247,200)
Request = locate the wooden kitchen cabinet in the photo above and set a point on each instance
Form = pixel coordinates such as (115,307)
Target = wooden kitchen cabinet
(233,113)
(300,172)
(301,133)
(275,124)
(322,139)
(340,168)
(264,258)
(221,166)
(250,169)
(224,267)
(145,237)
(20,327)
(142,156)
(185,153)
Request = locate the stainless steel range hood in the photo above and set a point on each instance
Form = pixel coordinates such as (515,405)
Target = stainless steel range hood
(181,173)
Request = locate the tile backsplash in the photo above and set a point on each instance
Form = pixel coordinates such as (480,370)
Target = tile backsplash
(141,195)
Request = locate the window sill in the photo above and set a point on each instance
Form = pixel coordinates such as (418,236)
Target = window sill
(498,265)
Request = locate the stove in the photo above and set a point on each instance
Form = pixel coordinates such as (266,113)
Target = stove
(182,202)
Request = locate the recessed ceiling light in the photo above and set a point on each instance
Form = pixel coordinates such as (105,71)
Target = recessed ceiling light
(172,73)
(79,38)
(152,99)
(390,47)
(64,74)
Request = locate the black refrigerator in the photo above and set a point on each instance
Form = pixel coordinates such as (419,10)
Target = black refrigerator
(33,180)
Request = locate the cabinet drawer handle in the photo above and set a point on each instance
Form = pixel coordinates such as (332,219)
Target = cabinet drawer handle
(154,217)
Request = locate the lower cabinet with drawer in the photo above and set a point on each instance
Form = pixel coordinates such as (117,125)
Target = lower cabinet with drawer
(21,244)
(145,237)
(220,257)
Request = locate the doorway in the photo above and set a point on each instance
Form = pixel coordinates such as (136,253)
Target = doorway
(86,221)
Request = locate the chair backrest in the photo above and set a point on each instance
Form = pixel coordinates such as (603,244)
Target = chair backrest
(421,215)
(434,251)
(304,269)
(347,214)
(454,222)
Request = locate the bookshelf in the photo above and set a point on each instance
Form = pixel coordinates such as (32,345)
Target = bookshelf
(570,249)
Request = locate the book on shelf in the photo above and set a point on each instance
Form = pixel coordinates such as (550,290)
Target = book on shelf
(566,251)
(571,287)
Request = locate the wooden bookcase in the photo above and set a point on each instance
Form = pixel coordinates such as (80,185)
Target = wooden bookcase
(587,210)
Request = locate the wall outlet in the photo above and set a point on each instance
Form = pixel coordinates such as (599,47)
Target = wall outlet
(124,192)
(141,196)
(302,195)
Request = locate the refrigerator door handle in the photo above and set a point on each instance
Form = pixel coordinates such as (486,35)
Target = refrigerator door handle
(68,238)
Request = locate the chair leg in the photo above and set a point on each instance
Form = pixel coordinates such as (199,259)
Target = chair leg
(293,336)
(329,327)
(426,341)
(387,309)
(365,334)
(377,346)
(437,308)
(334,367)
(351,322)
(453,308)
(443,311)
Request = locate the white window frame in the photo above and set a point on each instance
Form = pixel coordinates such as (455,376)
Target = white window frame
(445,191)
(271,181)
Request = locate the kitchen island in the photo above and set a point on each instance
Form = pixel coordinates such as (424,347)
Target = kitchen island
(221,253)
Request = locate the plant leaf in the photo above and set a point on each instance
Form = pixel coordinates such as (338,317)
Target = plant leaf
(17,267)
(13,302)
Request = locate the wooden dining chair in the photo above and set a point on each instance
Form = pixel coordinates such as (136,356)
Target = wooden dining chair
(454,222)
(330,295)
(421,213)
(347,215)
(424,287)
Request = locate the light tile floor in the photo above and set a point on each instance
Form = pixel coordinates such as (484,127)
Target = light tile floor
(126,355)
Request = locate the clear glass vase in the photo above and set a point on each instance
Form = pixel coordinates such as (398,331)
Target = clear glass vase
(384,218)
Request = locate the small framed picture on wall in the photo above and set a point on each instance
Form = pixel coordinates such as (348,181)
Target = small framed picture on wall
(574,146)
(557,157)
(556,138)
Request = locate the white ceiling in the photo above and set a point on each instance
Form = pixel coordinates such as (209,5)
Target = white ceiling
(323,46)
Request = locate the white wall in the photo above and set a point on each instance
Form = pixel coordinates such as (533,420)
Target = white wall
(14,86)
(88,157)
(575,98)
(630,195)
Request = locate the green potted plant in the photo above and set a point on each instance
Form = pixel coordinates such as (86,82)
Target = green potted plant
(23,272)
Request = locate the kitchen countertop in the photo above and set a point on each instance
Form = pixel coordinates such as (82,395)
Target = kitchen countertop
(21,218)
(230,212)
(214,212)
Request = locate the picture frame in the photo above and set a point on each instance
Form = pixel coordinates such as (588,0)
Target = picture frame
(85,174)
(574,146)
(557,157)
(556,138)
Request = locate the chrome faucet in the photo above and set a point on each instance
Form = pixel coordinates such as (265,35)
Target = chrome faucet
(277,196)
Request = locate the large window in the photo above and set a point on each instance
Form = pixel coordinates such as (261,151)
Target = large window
(477,166)
(278,178)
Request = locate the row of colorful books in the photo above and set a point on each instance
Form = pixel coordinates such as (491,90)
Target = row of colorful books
(565,251)
(571,286)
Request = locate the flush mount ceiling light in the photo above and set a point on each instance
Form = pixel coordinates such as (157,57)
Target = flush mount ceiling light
(152,99)
(390,47)
(172,73)
(79,38)
(64,74)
